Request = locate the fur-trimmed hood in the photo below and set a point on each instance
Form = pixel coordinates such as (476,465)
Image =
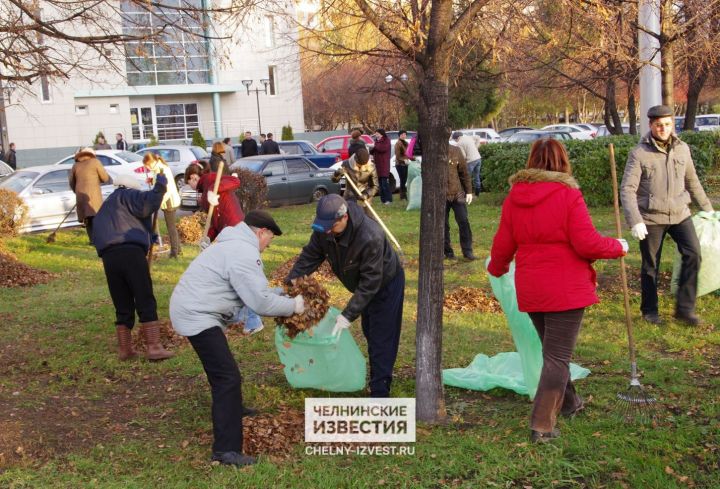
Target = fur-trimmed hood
(530,186)
(84,154)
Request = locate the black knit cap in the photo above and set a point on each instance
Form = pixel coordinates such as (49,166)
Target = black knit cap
(262,219)
(658,111)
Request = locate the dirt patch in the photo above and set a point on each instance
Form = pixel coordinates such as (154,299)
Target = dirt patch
(14,273)
(323,273)
(470,299)
(612,283)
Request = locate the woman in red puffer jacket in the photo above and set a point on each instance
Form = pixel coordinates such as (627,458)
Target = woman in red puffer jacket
(546,226)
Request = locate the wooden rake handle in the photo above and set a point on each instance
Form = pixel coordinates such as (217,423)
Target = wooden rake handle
(216,186)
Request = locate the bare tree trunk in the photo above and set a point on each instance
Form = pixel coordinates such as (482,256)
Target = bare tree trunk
(667,59)
(632,111)
(697,78)
(612,118)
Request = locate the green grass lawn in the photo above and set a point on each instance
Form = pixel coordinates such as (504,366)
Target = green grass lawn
(73,416)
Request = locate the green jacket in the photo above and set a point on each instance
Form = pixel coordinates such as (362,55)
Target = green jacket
(658,184)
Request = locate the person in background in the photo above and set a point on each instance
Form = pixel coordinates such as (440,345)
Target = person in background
(121,144)
(122,234)
(248,147)
(270,147)
(657,186)
(229,151)
(472,155)
(356,142)
(362,171)
(101,143)
(459,196)
(11,156)
(153,166)
(217,154)
(401,162)
(223,279)
(546,227)
(86,176)
(263,137)
(381,154)
(361,256)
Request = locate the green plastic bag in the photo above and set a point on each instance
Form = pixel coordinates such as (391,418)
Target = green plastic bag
(707,228)
(415,194)
(320,360)
(518,371)
(414,170)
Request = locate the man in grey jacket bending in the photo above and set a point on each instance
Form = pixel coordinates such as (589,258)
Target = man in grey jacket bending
(657,186)
(218,283)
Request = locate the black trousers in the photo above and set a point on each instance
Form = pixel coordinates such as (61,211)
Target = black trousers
(130,284)
(558,333)
(223,375)
(381,321)
(461,217)
(651,250)
(402,173)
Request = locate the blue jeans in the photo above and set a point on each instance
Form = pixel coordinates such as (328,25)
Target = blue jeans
(474,169)
(385,193)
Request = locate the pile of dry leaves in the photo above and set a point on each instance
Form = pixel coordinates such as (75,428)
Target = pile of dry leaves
(169,339)
(466,299)
(322,273)
(273,434)
(16,274)
(316,305)
(190,228)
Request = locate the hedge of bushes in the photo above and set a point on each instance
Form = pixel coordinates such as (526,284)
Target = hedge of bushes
(590,162)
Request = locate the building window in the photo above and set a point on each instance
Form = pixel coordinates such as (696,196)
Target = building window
(176,121)
(81,110)
(178,56)
(114,108)
(269,31)
(272,75)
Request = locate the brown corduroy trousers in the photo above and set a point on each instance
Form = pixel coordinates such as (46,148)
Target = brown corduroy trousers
(558,333)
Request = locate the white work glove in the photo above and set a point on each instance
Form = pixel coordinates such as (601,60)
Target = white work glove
(213,198)
(624,245)
(468,198)
(299,304)
(639,231)
(340,323)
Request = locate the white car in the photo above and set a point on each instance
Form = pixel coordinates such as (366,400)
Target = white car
(482,135)
(576,132)
(117,161)
(47,194)
(5,170)
(707,122)
(178,157)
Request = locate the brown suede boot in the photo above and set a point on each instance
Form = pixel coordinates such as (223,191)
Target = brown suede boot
(125,347)
(155,350)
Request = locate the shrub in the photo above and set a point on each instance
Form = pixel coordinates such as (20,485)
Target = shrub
(590,162)
(198,139)
(13,213)
(253,190)
(287,134)
(153,141)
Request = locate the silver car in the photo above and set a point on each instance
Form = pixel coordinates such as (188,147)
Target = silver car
(178,157)
(5,170)
(47,194)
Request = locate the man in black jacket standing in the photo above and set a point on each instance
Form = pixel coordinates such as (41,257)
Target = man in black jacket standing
(248,147)
(270,147)
(363,259)
(11,157)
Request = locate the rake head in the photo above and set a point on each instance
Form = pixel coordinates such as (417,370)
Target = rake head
(636,405)
(50,239)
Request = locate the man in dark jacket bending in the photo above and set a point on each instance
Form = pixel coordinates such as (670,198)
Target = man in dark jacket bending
(122,232)
(363,259)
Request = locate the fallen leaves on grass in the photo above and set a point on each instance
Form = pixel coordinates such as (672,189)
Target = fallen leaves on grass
(169,339)
(190,228)
(273,434)
(14,273)
(316,305)
(465,299)
(322,273)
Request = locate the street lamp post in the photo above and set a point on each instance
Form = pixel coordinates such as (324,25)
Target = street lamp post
(257,91)
(403,78)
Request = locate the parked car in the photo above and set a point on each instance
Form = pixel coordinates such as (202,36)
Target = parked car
(178,157)
(506,133)
(47,194)
(590,127)
(5,170)
(707,122)
(679,123)
(483,135)
(530,136)
(290,180)
(302,148)
(121,162)
(576,132)
(339,144)
(603,130)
